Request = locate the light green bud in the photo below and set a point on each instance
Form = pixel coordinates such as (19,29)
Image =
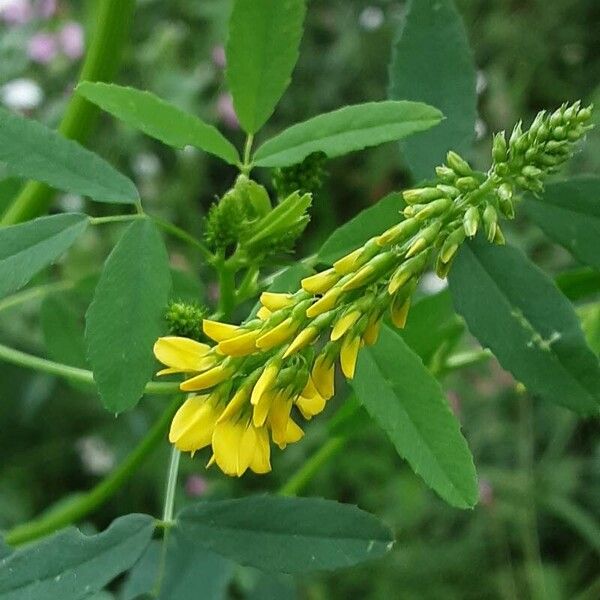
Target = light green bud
(458,164)
(471,221)
(433,209)
(445,174)
(490,222)
(421,195)
(449,191)
(467,184)
(500,148)
(531,171)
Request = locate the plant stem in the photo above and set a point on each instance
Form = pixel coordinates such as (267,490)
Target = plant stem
(171,485)
(101,493)
(311,467)
(113,219)
(184,236)
(28,361)
(34,293)
(246,166)
(227,290)
(112,20)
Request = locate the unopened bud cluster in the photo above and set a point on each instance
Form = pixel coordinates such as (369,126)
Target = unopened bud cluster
(184,319)
(250,382)
(306,177)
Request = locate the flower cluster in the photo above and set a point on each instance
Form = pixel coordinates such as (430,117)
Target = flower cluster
(247,385)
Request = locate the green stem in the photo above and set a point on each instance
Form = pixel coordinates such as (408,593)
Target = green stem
(171,485)
(35,293)
(184,236)
(227,290)
(28,361)
(101,493)
(246,166)
(312,466)
(113,219)
(112,24)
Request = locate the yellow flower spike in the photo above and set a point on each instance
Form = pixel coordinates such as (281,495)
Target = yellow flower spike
(309,407)
(218,331)
(239,400)
(240,345)
(263,313)
(323,376)
(234,445)
(261,461)
(206,380)
(265,381)
(193,424)
(342,325)
(321,282)
(180,354)
(399,311)
(279,334)
(327,302)
(348,355)
(398,279)
(348,263)
(262,408)
(274,301)
(303,339)
(371,332)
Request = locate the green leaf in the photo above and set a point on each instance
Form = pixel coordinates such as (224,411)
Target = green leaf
(346,130)
(70,565)
(187,569)
(9,188)
(590,322)
(274,586)
(432,63)
(408,403)
(370,222)
(159,119)
(569,213)
(32,151)
(27,248)
(262,50)
(578,283)
(289,535)
(126,315)
(5,549)
(514,309)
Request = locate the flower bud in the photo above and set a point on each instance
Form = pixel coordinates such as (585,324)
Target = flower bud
(445,174)
(471,221)
(490,222)
(434,209)
(421,195)
(499,148)
(467,184)
(458,164)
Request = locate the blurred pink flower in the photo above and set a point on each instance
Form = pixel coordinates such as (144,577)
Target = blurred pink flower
(196,486)
(486,493)
(42,48)
(72,40)
(218,57)
(16,12)
(226,111)
(46,8)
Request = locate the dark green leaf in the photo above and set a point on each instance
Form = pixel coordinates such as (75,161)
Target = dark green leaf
(346,130)
(5,549)
(126,315)
(432,63)
(262,50)
(70,565)
(27,248)
(368,223)
(159,119)
(272,586)
(569,213)
(9,188)
(513,308)
(187,570)
(578,283)
(408,403)
(289,535)
(32,151)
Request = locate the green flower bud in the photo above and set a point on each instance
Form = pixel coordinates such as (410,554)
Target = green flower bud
(467,184)
(185,319)
(445,174)
(499,148)
(531,171)
(434,209)
(490,222)
(458,164)
(449,191)
(471,221)
(451,245)
(421,195)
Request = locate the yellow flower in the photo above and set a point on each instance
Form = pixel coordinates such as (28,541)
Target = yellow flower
(263,313)
(239,400)
(360,278)
(279,415)
(218,331)
(321,282)
(193,424)
(349,354)
(181,355)
(399,310)
(343,324)
(234,445)
(206,380)
(275,301)
(371,332)
(348,263)
(303,339)
(398,279)
(310,402)
(265,381)
(327,302)
(261,409)
(261,461)
(240,345)
(276,336)
(323,376)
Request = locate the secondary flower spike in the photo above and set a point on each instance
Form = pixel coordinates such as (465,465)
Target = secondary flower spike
(258,378)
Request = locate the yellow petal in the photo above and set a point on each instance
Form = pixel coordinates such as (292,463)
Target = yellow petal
(279,415)
(343,324)
(348,355)
(303,339)
(218,331)
(265,381)
(309,407)
(179,353)
(240,345)
(372,332)
(321,282)
(240,398)
(348,263)
(246,449)
(323,376)
(193,424)
(274,301)
(225,443)
(262,408)
(327,302)
(261,461)
(293,433)
(206,380)
(276,336)
(309,389)
(360,278)
(399,278)
(416,247)
(399,312)
(263,313)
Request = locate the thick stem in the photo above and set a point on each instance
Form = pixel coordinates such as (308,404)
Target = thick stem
(227,290)
(93,499)
(112,24)
(171,485)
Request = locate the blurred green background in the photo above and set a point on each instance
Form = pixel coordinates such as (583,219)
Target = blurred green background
(536,532)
